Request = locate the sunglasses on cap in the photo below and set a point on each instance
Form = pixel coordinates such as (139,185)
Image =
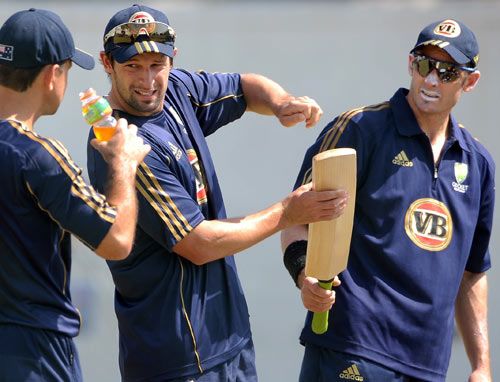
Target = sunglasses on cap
(446,71)
(127,33)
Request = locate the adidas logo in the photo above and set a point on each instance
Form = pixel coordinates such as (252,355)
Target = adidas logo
(351,373)
(402,160)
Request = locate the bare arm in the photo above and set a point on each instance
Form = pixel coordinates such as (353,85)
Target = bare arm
(471,311)
(264,96)
(215,239)
(123,154)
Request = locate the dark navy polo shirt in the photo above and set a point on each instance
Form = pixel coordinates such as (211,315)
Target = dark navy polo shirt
(43,200)
(177,318)
(417,227)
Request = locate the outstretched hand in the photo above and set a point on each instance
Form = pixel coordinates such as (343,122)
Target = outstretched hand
(304,206)
(299,109)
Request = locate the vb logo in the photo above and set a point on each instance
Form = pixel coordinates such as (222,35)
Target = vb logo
(448,28)
(428,224)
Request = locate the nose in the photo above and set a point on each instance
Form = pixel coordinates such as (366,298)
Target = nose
(432,78)
(146,75)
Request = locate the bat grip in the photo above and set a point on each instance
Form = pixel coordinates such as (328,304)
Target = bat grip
(320,320)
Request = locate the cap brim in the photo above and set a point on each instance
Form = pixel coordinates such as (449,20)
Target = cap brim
(457,55)
(122,53)
(83,59)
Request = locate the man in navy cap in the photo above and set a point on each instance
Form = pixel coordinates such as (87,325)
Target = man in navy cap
(422,225)
(44,200)
(180,306)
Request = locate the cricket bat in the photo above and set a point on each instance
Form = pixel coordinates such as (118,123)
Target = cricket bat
(329,241)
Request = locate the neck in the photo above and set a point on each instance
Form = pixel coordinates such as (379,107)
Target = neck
(19,106)
(434,125)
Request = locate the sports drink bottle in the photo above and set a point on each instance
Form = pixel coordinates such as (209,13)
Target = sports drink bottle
(98,113)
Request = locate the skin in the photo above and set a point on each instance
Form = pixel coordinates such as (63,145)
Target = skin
(471,315)
(431,102)
(138,87)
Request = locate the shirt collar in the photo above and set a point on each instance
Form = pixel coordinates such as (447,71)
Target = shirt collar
(407,124)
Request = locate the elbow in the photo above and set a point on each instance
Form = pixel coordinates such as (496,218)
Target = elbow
(120,253)
(115,250)
(202,252)
(197,257)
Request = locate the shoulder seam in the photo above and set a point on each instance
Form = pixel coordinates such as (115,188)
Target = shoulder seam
(332,137)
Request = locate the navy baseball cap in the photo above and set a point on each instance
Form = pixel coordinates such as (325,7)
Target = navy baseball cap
(136,30)
(38,37)
(454,37)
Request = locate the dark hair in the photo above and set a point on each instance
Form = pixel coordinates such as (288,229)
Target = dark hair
(18,79)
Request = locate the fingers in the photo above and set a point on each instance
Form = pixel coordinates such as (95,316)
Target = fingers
(300,109)
(292,119)
(125,146)
(315,298)
(306,206)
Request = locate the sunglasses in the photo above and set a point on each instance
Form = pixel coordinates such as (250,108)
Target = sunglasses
(446,71)
(127,33)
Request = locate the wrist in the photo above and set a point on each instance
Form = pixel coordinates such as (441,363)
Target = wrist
(294,259)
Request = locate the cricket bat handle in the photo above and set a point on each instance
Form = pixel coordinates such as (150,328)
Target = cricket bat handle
(320,320)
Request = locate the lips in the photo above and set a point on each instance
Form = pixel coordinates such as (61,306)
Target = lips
(428,95)
(146,93)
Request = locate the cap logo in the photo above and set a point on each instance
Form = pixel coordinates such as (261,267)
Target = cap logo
(6,52)
(448,28)
(141,18)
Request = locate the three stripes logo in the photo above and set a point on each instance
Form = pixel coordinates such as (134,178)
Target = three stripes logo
(402,160)
(351,374)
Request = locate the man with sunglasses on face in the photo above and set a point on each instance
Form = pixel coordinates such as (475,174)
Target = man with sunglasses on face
(44,199)
(423,217)
(181,311)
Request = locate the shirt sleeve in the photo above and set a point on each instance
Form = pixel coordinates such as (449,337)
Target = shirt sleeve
(166,210)
(57,184)
(479,258)
(340,133)
(217,98)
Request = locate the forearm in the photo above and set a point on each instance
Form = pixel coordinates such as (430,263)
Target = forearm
(262,94)
(471,316)
(121,194)
(214,239)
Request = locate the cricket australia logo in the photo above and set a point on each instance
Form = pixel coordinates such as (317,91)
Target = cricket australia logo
(461,171)
(428,224)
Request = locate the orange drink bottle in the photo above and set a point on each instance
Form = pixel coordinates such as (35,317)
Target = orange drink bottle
(98,113)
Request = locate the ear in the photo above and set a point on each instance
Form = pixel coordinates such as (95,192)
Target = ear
(49,74)
(471,81)
(410,64)
(175,52)
(106,62)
